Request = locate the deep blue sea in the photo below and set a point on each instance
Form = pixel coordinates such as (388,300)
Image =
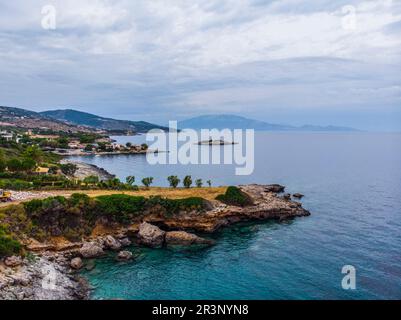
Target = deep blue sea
(352,186)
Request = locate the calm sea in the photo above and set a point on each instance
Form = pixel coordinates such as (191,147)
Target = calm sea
(352,186)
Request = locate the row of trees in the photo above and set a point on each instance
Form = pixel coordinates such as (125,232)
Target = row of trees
(174,181)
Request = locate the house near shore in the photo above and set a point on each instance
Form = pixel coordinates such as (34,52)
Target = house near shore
(8,136)
(42,170)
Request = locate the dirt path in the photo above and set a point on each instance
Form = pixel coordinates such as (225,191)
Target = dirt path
(206,193)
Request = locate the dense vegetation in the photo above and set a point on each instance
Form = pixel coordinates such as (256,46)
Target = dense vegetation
(235,197)
(76,216)
(8,244)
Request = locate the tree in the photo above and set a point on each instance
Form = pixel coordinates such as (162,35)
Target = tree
(28,164)
(68,169)
(199,183)
(130,180)
(88,147)
(113,183)
(3,163)
(128,145)
(14,165)
(147,181)
(91,180)
(187,181)
(144,146)
(209,182)
(62,142)
(174,181)
(34,153)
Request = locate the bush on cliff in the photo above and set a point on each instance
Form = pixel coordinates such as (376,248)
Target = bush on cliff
(235,197)
(119,207)
(8,245)
(75,217)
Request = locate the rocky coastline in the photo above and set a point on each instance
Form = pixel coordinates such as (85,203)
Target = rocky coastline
(61,259)
(85,169)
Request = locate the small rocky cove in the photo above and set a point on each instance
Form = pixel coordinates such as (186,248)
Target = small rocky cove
(50,270)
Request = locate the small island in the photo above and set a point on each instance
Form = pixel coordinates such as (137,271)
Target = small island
(218,142)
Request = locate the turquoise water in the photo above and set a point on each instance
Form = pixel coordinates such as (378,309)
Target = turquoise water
(352,184)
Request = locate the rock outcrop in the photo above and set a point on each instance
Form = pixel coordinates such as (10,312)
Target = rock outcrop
(276,188)
(111,243)
(76,263)
(151,235)
(13,261)
(266,205)
(185,238)
(298,195)
(41,279)
(91,250)
(124,255)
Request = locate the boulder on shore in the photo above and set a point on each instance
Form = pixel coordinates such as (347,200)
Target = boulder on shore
(275,188)
(185,238)
(151,235)
(91,250)
(111,243)
(124,255)
(76,263)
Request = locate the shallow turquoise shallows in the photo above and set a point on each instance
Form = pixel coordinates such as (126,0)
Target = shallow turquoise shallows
(352,184)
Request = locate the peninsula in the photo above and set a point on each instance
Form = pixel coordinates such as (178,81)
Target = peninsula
(63,231)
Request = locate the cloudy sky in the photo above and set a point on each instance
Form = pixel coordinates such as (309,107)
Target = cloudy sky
(290,61)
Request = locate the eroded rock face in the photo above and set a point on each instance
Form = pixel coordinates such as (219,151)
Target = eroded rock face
(91,250)
(185,238)
(112,243)
(150,235)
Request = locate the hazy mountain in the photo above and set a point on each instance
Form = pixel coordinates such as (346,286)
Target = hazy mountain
(237,122)
(94,121)
(22,118)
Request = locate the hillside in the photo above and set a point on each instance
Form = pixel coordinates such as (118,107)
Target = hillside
(87,119)
(26,119)
(223,121)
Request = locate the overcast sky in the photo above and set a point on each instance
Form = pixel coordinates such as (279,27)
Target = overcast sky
(289,61)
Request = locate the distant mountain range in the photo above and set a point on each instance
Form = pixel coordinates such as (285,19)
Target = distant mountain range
(73,121)
(223,121)
(94,121)
(22,118)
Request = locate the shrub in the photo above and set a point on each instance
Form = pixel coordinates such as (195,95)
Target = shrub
(14,184)
(147,181)
(187,181)
(173,181)
(119,207)
(130,180)
(234,196)
(8,245)
(68,169)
